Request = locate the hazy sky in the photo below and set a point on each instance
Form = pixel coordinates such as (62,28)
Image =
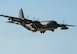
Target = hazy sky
(15,39)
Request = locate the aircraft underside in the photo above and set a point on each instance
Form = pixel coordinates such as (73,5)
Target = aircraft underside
(42,30)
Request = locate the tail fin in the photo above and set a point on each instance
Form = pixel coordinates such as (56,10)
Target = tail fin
(21,14)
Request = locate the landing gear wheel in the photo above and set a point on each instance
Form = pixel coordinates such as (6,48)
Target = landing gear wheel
(52,30)
(34,30)
(42,31)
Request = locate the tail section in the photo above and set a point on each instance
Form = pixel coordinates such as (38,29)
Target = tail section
(21,14)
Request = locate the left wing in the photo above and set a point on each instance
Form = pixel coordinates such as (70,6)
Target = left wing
(11,18)
(7,16)
(28,24)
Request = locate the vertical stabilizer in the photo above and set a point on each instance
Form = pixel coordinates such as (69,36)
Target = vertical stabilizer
(21,14)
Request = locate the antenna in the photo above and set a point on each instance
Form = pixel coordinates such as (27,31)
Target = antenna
(37,19)
(63,21)
(34,18)
(27,16)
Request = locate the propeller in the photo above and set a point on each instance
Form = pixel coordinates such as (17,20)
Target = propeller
(36,19)
(27,16)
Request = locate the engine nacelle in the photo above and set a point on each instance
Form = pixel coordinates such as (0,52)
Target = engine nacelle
(10,22)
(64,28)
(9,19)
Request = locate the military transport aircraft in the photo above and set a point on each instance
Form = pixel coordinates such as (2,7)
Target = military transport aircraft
(34,25)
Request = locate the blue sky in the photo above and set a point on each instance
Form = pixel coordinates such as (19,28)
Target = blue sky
(15,39)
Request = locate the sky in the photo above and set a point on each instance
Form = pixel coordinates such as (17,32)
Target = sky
(15,39)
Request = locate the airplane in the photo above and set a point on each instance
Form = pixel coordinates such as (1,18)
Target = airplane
(34,25)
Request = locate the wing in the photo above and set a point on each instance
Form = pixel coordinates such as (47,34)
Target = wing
(12,19)
(28,24)
(7,16)
(64,25)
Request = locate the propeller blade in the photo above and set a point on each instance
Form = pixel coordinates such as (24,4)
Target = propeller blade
(27,16)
